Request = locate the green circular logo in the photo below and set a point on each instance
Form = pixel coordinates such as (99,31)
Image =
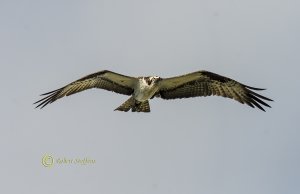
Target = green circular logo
(47,161)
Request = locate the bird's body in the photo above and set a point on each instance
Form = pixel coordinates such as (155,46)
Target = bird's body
(142,89)
(145,88)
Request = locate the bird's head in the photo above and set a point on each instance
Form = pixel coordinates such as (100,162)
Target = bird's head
(152,80)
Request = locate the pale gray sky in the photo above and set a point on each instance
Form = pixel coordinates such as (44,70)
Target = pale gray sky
(200,145)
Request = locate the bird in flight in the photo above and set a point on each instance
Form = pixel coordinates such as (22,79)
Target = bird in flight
(142,89)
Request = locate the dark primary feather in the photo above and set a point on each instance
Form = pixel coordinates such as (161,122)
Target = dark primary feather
(104,79)
(204,83)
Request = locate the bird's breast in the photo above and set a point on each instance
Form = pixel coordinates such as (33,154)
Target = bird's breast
(143,91)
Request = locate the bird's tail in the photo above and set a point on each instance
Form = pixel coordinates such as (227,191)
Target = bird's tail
(134,105)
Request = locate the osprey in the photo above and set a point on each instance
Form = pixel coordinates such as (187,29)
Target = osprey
(141,89)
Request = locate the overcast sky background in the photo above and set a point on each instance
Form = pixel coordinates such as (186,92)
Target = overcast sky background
(200,145)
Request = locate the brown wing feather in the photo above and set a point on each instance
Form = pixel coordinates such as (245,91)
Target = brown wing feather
(207,84)
(104,79)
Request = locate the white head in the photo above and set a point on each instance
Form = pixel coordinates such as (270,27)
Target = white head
(152,80)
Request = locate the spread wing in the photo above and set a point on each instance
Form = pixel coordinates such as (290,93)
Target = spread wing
(104,79)
(204,83)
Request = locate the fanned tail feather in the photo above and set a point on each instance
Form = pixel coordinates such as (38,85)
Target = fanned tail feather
(134,105)
(141,107)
